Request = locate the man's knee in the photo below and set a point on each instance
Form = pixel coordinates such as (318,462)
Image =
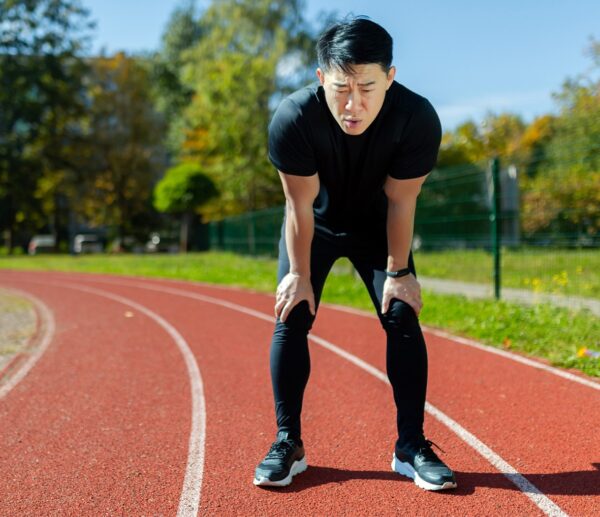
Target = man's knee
(299,319)
(399,317)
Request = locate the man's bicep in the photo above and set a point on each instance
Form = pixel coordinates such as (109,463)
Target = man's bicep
(403,190)
(300,190)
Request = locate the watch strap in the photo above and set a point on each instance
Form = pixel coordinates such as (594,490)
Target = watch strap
(400,273)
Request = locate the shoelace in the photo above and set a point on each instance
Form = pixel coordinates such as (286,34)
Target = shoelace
(279,449)
(428,452)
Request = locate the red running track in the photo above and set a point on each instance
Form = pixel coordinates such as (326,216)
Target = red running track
(153,398)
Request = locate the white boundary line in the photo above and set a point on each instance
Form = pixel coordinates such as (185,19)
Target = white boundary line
(47,328)
(485,348)
(189,502)
(531,491)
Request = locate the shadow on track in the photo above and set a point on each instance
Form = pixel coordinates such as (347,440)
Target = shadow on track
(316,476)
(585,482)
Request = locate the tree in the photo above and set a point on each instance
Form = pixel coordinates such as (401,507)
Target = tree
(461,146)
(497,135)
(41,85)
(183,191)
(563,195)
(250,52)
(577,129)
(122,156)
(460,185)
(182,32)
(535,145)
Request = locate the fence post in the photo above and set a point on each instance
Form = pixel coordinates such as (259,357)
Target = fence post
(251,233)
(495,223)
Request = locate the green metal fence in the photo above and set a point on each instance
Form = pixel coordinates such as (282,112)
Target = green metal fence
(253,233)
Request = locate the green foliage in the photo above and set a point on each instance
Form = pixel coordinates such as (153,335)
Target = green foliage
(235,73)
(454,205)
(577,130)
(184,188)
(564,201)
(41,80)
(182,32)
(121,156)
(498,135)
(563,196)
(229,135)
(558,158)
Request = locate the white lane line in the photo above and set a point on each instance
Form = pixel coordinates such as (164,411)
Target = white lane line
(189,502)
(47,328)
(529,489)
(516,357)
(485,348)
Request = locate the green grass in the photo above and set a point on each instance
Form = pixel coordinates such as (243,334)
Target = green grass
(543,331)
(570,272)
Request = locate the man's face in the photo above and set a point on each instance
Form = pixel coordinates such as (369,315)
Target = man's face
(355,99)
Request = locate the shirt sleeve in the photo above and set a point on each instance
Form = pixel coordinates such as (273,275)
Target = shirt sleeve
(290,150)
(417,151)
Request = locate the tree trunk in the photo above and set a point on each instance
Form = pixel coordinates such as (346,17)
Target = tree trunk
(184,232)
(10,231)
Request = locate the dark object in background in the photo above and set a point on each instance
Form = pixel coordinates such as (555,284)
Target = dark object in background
(162,243)
(87,243)
(42,244)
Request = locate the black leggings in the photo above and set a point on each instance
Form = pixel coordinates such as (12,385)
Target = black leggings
(406,357)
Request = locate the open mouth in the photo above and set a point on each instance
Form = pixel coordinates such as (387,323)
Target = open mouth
(351,123)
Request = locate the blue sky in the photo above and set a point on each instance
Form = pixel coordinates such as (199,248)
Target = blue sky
(467,57)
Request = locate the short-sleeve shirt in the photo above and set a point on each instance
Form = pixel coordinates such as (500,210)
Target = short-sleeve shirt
(402,142)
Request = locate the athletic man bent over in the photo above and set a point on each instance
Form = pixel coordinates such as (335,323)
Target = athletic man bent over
(352,152)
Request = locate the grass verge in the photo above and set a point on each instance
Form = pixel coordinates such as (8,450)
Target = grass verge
(543,331)
(568,272)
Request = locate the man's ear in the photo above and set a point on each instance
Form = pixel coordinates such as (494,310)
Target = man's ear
(390,76)
(321,76)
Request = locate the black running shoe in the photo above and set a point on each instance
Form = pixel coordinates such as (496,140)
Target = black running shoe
(422,464)
(284,460)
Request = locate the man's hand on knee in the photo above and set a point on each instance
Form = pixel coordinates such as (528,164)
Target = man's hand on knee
(292,289)
(405,288)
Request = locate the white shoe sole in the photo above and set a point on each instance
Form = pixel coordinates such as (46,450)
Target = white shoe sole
(298,467)
(406,469)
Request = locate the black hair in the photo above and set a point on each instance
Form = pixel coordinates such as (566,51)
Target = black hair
(354,41)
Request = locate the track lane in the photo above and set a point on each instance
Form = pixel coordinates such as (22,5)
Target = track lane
(348,331)
(99,425)
(535,422)
(375,417)
(361,455)
(543,425)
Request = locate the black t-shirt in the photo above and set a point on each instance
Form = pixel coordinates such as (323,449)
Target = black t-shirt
(403,142)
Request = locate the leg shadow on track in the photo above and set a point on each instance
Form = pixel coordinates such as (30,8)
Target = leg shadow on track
(316,475)
(585,483)
(562,483)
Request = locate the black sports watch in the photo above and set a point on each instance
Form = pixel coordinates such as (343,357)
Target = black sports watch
(399,273)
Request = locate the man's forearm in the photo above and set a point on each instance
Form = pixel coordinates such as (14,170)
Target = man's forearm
(400,223)
(299,231)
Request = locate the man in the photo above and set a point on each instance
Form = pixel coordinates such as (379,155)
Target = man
(352,152)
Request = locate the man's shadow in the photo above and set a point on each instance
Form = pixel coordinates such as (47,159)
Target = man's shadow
(586,482)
